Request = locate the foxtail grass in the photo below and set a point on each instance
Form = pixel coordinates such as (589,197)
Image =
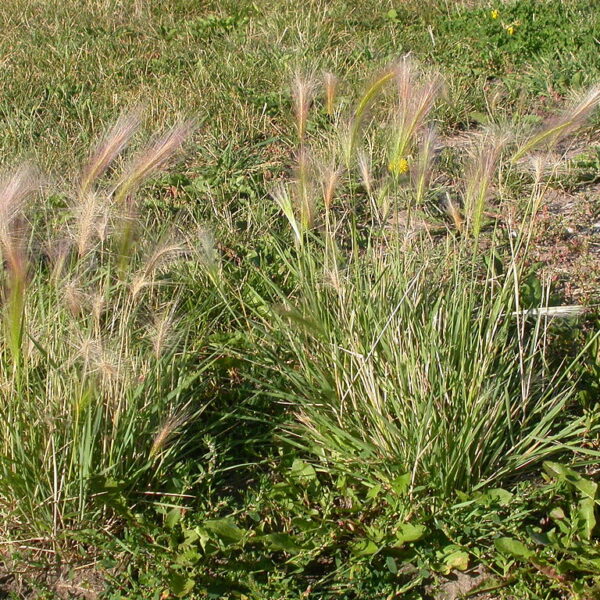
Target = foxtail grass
(361,109)
(480,174)
(331,85)
(415,101)
(557,128)
(415,355)
(97,384)
(303,89)
(422,171)
(15,191)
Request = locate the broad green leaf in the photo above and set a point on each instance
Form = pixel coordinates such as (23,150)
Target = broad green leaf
(203,536)
(225,529)
(409,533)
(539,538)
(586,518)
(374,491)
(189,537)
(513,548)
(391,565)
(303,524)
(588,488)
(495,496)
(188,557)
(180,584)
(365,548)
(302,472)
(376,534)
(401,484)
(556,470)
(585,486)
(173,517)
(456,560)
(280,541)
(574,565)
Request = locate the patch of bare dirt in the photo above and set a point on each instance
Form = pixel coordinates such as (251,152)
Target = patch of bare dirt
(462,584)
(568,242)
(64,582)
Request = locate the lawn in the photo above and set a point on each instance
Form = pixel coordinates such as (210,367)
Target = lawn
(300,300)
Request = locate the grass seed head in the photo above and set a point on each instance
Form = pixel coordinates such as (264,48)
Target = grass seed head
(168,429)
(422,170)
(417,95)
(453,212)
(304,192)
(365,168)
(557,128)
(87,217)
(366,100)
(98,306)
(73,297)
(329,182)
(156,156)
(281,196)
(14,193)
(111,145)
(479,175)
(303,89)
(163,327)
(331,84)
(161,256)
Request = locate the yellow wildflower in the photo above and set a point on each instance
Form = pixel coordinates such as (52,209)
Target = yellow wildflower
(398,166)
(495,14)
(510,29)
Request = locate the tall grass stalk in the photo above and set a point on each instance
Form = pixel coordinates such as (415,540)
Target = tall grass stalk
(479,177)
(415,100)
(421,173)
(303,90)
(361,109)
(15,190)
(153,158)
(557,128)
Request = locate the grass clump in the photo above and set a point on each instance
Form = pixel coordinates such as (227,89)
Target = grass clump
(96,380)
(402,363)
(410,353)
